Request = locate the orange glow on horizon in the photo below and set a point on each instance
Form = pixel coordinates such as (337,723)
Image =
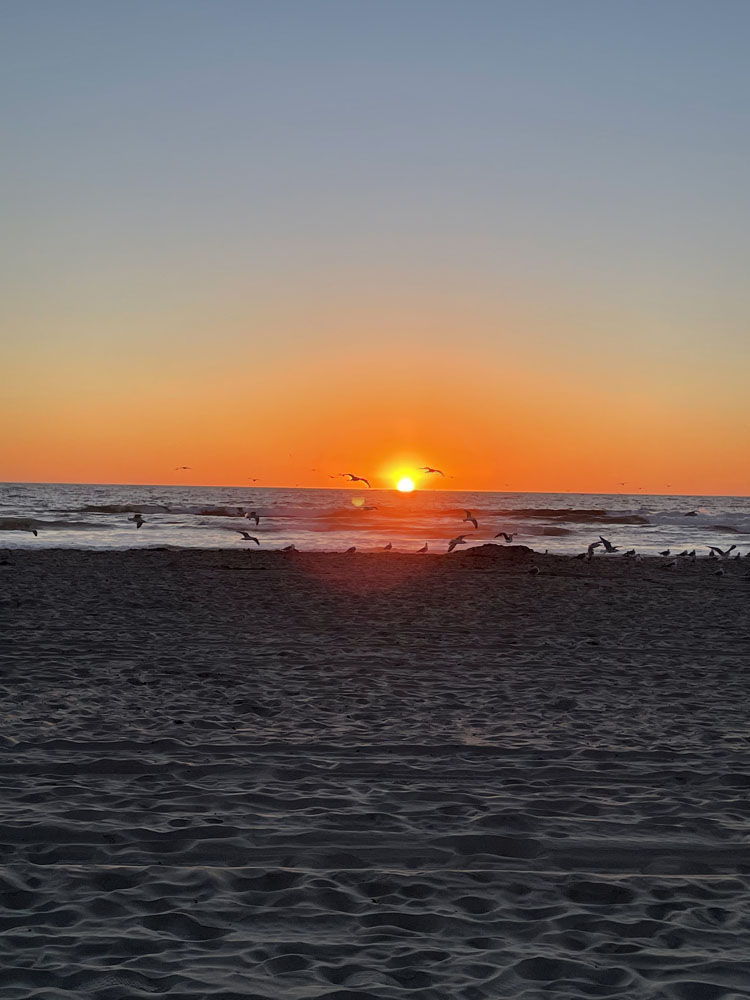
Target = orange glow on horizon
(405,485)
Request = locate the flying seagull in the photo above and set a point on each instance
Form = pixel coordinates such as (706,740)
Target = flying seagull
(590,549)
(252,516)
(722,553)
(428,470)
(470,517)
(608,546)
(249,538)
(355,479)
(504,534)
(138,519)
(458,540)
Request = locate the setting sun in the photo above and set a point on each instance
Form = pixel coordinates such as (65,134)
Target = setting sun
(405,485)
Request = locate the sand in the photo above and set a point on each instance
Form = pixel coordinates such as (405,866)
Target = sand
(256,775)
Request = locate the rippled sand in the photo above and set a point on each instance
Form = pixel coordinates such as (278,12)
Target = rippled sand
(256,775)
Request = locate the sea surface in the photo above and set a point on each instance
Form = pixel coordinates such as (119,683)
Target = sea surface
(97,516)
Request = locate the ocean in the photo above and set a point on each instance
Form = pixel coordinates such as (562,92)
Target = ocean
(89,516)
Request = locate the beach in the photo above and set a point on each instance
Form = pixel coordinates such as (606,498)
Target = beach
(254,774)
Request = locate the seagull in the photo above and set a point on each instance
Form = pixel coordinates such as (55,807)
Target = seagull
(683,555)
(252,516)
(182,468)
(138,519)
(355,479)
(608,546)
(629,554)
(581,555)
(34,532)
(719,572)
(388,547)
(722,553)
(428,470)
(670,565)
(249,538)
(691,513)
(504,534)
(371,506)
(289,548)
(458,540)
(590,549)
(666,552)
(423,549)
(351,550)
(470,517)
(534,571)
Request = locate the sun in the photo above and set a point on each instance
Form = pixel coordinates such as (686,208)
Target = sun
(405,485)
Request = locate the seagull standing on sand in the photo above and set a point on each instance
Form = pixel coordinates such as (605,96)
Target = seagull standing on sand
(355,479)
(289,548)
(504,534)
(249,538)
(608,546)
(138,519)
(351,550)
(388,547)
(428,470)
(424,548)
(458,540)
(470,518)
(666,552)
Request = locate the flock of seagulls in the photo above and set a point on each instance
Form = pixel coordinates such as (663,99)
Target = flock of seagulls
(670,560)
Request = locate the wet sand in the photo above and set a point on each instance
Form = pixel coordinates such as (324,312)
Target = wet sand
(260,775)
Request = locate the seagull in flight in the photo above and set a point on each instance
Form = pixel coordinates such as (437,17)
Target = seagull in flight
(355,479)
(590,549)
(459,540)
(428,470)
(138,519)
(182,468)
(424,548)
(504,534)
(722,553)
(252,516)
(246,537)
(608,546)
(470,518)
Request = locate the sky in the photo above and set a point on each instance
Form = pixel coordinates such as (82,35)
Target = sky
(506,238)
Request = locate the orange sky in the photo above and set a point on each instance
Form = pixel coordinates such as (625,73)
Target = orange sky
(378,411)
(261,240)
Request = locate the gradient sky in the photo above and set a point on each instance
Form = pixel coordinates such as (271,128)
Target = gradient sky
(260,238)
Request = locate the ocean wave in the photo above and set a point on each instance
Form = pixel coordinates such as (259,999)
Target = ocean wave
(145,508)
(39,524)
